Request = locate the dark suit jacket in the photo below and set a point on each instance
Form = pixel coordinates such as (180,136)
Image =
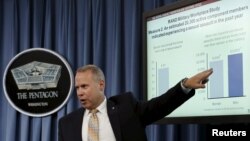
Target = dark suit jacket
(128,117)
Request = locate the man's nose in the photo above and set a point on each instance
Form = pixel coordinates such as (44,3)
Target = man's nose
(80,92)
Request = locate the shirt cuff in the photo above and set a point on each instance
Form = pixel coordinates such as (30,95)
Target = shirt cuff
(185,90)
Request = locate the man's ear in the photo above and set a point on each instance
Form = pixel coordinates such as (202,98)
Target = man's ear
(102,85)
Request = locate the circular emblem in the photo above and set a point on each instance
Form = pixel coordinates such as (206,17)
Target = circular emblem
(38,82)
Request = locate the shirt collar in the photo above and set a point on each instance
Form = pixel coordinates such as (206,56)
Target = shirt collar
(102,108)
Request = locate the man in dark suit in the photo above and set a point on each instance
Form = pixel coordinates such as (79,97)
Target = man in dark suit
(121,117)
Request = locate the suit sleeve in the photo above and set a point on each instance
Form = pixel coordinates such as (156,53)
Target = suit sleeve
(157,108)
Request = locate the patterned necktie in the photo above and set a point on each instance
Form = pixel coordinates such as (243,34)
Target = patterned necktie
(93,126)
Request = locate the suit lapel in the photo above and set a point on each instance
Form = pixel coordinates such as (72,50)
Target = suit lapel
(114,119)
(78,126)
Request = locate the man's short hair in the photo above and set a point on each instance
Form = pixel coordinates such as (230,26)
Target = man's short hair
(98,73)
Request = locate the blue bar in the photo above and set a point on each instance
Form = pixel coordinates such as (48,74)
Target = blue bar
(235,75)
(216,80)
(163,80)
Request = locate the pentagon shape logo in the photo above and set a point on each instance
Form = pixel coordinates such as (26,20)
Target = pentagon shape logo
(38,82)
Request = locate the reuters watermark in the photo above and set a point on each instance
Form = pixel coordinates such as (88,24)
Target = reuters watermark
(228,133)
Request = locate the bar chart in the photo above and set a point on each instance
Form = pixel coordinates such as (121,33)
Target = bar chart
(235,75)
(233,87)
(163,80)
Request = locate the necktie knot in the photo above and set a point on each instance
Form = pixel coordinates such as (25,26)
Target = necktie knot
(93,111)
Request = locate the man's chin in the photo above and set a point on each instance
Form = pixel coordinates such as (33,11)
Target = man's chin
(85,106)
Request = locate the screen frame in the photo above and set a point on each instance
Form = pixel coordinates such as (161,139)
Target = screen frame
(189,119)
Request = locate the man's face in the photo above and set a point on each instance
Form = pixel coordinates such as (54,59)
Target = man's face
(89,91)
